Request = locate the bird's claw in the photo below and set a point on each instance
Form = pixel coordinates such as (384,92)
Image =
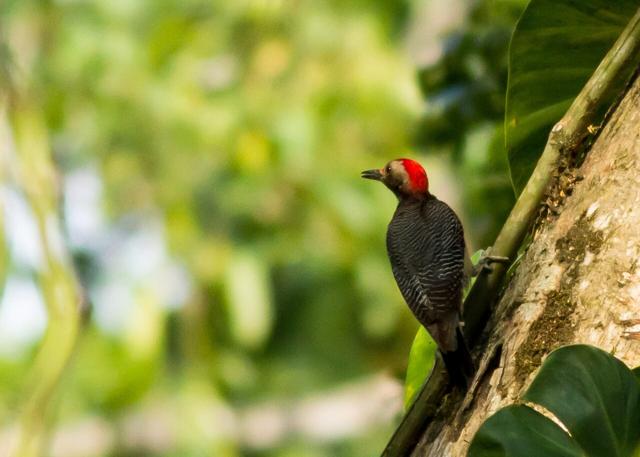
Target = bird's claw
(486,259)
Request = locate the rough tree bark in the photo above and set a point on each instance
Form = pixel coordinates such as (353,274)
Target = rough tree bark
(579,282)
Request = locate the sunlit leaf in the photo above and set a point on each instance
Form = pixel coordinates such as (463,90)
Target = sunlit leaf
(475,258)
(421,360)
(248,300)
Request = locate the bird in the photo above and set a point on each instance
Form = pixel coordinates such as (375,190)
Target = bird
(429,260)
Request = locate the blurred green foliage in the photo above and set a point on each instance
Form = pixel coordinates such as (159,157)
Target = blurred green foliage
(464,113)
(233,257)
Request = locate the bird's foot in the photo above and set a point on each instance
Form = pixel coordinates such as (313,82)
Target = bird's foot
(486,259)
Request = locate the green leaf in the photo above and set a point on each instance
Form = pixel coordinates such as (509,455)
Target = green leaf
(555,47)
(475,258)
(594,395)
(519,431)
(248,299)
(636,372)
(421,360)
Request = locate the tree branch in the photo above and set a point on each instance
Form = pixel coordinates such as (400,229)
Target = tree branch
(609,77)
(62,294)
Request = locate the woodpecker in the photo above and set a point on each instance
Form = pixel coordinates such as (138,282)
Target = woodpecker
(429,260)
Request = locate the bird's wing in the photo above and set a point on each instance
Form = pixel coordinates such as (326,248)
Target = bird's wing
(427,253)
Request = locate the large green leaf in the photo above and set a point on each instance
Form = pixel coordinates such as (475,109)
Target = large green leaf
(594,395)
(555,48)
(421,360)
(520,431)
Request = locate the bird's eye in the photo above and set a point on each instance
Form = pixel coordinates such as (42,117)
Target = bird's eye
(387,169)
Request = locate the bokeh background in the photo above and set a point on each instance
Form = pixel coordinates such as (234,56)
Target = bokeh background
(198,160)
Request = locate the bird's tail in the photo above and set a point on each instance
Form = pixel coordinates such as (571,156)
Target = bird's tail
(459,363)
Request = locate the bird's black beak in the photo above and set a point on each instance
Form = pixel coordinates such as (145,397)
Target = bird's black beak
(374,174)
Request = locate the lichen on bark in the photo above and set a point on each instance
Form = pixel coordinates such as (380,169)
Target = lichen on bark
(555,325)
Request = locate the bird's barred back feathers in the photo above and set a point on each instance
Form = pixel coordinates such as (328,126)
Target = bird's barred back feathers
(425,243)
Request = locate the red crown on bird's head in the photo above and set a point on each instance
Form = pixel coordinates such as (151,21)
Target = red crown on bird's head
(418,180)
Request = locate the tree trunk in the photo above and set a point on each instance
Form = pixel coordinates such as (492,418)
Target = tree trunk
(578,282)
